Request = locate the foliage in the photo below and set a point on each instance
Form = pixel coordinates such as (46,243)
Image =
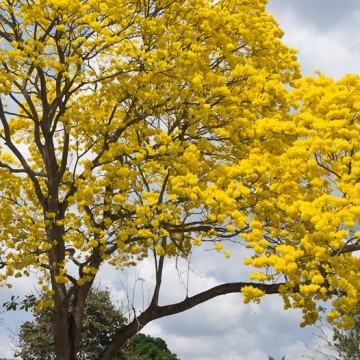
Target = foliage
(151,348)
(143,129)
(347,342)
(15,302)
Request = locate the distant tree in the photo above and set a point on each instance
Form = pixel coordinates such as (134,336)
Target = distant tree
(151,348)
(332,342)
(347,343)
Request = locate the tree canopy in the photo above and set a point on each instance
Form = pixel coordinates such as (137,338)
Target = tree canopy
(151,348)
(135,129)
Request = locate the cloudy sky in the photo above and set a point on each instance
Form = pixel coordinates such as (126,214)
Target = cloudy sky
(326,34)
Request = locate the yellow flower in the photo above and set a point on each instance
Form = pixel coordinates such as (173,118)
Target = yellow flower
(251,293)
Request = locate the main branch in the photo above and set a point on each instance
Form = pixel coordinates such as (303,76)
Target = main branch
(154,312)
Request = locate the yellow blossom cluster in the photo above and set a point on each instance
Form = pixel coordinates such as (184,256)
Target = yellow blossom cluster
(309,234)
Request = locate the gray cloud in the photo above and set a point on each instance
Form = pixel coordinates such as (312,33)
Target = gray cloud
(325,15)
(325,33)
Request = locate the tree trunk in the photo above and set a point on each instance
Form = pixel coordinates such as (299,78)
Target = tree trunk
(61,334)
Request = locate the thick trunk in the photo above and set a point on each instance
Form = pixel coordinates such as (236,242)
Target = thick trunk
(76,316)
(64,350)
(68,318)
(61,334)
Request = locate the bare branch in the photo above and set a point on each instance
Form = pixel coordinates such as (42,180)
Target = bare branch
(156,312)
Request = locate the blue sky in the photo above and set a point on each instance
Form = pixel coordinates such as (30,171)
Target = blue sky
(326,34)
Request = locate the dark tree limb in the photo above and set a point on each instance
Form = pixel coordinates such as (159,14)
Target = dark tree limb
(154,312)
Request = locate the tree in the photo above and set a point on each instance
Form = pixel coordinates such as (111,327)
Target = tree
(135,129)
(346,342)
(338,344)
(101,319)
(151,348)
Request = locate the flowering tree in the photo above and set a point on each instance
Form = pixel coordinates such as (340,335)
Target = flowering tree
(144,128)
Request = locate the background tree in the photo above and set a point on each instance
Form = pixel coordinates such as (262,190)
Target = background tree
(330,342)
(140,129)
(101,319)
(151,348)
(347,342)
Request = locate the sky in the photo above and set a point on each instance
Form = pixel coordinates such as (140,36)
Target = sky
(326,35)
